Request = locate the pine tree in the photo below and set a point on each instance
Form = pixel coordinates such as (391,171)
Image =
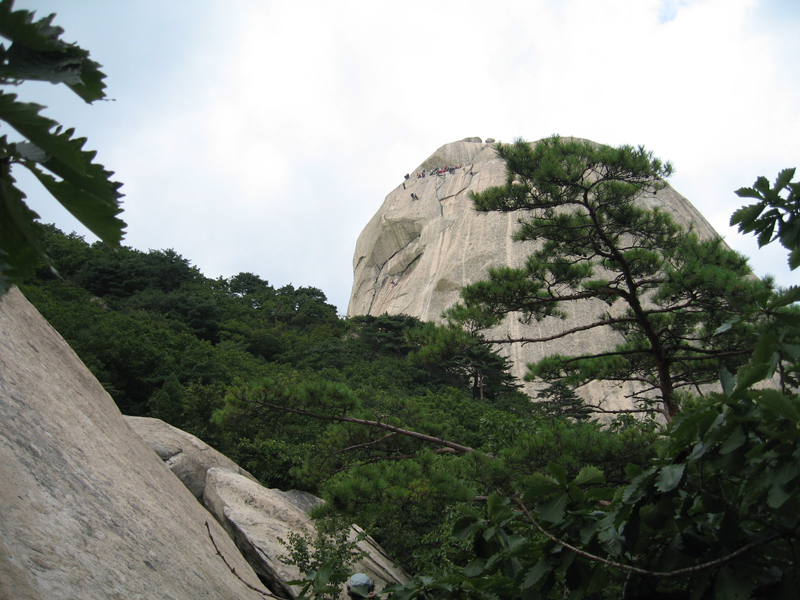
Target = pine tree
(667,291)
(167,403)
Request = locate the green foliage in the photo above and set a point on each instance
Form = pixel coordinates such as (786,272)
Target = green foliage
(558,400)
(399,486)
(777,349)
(714,515)
(55,157)
(400,502)
(325,558)
(665,291)
(776,215)
(167,403)
(461,360)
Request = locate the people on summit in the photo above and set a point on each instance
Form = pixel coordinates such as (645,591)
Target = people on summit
(435,171)
(438,171)
(359,586)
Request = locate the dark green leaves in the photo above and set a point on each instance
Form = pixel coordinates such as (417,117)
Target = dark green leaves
(777,209)
(18,26)
(37,53)
(589,475)
(669,477)
(553,510)
(83,187)
(19,239)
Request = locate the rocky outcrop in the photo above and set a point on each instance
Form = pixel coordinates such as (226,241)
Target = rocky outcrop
(414,256)
(257,518)
(188,457)
(87,510)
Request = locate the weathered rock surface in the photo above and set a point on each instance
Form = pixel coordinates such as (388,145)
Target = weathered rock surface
(185,455)
(414,256)
(255,517)
(87,510)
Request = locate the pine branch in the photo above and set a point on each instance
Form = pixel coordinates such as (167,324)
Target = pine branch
(396,457)
(510,340)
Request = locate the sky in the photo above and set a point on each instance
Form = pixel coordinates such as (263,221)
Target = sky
(261,136)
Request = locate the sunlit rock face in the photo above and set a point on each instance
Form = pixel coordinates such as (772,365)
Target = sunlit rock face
(188,457)
(414,255)
(88,510)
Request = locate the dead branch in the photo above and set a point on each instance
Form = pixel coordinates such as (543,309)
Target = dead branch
(365,444)
(375,424)
(629,568)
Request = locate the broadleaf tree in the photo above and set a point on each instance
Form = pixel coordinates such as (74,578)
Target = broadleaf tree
(54,156)
(776,215)
(663,289)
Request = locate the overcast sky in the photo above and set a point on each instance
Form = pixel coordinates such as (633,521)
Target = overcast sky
(262,136)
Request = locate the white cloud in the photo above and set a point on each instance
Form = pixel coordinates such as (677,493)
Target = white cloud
(269,132)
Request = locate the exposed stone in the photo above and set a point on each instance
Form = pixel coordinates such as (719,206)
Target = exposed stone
(87,510)
(255,517)
(185,455)
(302,500)
(490,140)
(453,245)
(473,140)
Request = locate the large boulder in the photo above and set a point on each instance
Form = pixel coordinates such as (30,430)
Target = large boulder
(415,255)
(257,518)
(187,456)
(87,509)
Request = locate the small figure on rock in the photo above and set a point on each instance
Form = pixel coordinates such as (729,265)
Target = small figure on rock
(359,586)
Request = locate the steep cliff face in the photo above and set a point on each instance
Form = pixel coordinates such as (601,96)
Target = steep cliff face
(414,255)
(88,510)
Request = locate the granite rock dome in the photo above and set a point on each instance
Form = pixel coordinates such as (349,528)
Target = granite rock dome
(425,242)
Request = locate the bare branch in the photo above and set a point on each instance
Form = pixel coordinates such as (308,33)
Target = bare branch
(604,411)
(664,574)
(376,424)
(365,444)
(556,336)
